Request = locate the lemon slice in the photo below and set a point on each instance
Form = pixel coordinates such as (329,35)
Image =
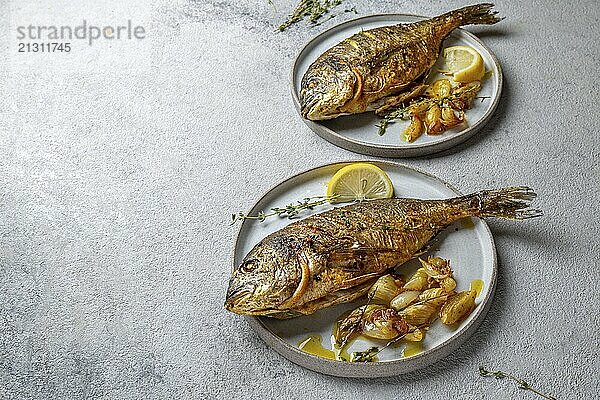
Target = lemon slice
(465,63)
(360,181)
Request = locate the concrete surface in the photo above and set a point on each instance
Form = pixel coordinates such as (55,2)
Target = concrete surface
(121,163)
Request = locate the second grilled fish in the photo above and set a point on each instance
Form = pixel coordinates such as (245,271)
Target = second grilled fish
(335,256)
(377,67)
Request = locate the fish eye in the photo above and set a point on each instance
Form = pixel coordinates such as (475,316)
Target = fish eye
(248,266)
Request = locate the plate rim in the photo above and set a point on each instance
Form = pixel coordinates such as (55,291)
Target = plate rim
(381,150)
(381,368)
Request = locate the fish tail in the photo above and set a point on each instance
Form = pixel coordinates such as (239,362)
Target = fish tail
(479,14)
(507,203)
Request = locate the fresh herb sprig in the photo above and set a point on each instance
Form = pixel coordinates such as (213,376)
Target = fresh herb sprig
(356,325)
(399,113)
(365,356)
(290,211)
(373,351)
(522,384)
(314,10)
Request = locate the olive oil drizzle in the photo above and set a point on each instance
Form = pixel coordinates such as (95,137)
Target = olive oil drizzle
(313,345)
(412,349)
(467,223)
(477,286)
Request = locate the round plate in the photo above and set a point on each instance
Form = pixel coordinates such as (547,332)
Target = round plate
(358,132)
(469,246)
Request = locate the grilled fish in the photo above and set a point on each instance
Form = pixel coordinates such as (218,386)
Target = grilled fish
(378,67)
(335,256)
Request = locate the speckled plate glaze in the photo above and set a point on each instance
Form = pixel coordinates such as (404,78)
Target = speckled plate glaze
(358,132)
(470,247)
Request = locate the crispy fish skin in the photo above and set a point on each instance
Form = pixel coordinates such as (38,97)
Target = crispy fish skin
(357,74)
(334,257)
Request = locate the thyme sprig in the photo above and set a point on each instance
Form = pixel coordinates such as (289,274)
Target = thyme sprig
(373,351)
(314,10)
(398,114)
(356,324)
(289,211)
(365,356)
(522,384)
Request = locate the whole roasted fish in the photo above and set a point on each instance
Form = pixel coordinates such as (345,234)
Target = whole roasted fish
(378,67)
(335,256)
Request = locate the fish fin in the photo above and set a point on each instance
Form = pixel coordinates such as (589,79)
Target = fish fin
(285,314)
(394,101)
(479,14)
(361,279)
(428,246)
(337,297)
(507,203)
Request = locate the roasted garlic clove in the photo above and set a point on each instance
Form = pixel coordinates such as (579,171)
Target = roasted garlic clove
(404,299)
(432,294)
(458,307)
(463,96)
(420,107)
(448,284)
(449,118)
(433,120)
(383,323)
(418,281)
(414,129)
(383,290)
(422,313)
(440,89)
(437,267)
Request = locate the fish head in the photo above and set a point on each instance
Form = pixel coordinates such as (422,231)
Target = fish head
(267,277)
(325,89)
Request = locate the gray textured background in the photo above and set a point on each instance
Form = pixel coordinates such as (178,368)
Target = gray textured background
(121,163)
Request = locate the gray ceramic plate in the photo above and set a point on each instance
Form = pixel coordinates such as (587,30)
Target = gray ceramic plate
(358,132)
(470,247)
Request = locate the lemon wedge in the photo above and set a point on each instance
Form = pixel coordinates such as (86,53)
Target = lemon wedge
(359,181)
(465,63)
